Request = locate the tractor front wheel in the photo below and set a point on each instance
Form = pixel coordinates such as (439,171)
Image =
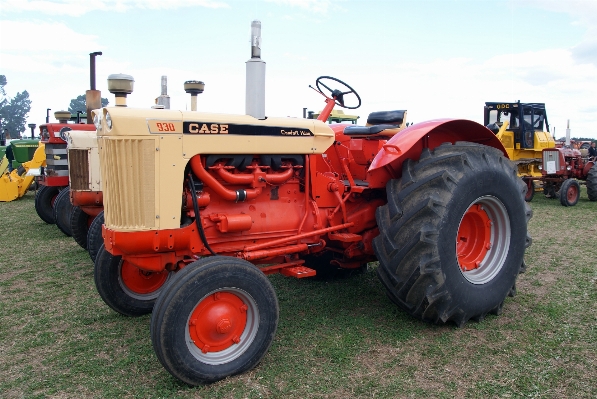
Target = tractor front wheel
(453,234)
(592,183)
(570,192)
(62,210)
(126,288)
(79,226)
(94,236)
(216,318)
(44,203)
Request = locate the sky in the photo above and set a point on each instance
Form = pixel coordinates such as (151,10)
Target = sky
(433,58)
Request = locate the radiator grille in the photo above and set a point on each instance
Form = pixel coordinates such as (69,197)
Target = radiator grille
(78,161)
(56,160)
(551,161)
(128,174)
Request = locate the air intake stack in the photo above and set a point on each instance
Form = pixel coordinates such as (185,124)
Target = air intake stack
(255,99)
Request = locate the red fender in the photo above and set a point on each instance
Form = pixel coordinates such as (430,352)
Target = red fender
(408,144)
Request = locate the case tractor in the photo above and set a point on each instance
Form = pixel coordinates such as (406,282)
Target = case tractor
(523,129)
(199,208)
(52,202)
(562,168)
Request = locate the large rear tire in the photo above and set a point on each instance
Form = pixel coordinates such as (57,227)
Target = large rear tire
(79,226)
(592,183)
(94,236)
(62,210)
(126,288)
(44,203)
(216,318)
(453,234)
(570,192)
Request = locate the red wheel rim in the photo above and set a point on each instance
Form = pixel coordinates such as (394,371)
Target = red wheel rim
(218,322)
(474,238)
(572,193)
(141,281)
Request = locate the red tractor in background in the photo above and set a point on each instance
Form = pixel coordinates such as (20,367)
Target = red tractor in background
(200,207)
(54,178)
(561,169)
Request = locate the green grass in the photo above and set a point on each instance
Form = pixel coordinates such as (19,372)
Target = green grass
(335,339)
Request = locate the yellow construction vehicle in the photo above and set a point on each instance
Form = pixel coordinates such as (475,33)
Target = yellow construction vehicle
(15,184)
(523,130)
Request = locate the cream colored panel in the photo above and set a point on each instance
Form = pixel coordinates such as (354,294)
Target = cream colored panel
(170,175)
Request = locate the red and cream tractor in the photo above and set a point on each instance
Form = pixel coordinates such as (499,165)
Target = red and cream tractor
(54,178)
(562,169)
(199,208)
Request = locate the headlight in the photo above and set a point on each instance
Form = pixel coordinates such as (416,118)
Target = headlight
(540,167)
(108,121)
(568,167)
(97,120)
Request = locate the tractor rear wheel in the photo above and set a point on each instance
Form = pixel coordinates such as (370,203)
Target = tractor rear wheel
(79,226)
(126,288)
(570,192)
(94,236)
(592,183)
(216,318)
(62,210)
(453,234)
(44,203)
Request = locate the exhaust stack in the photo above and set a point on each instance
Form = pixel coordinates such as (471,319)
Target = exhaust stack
(93,97)
(568,134)
(255,97)
(164,98)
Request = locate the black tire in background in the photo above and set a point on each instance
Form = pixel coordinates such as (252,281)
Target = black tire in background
(79,226)
(62,209)
(125,288)
(530,190)
(94,236)
(44,203)
(592,183)
(453,193)
(223,301)
(570,192)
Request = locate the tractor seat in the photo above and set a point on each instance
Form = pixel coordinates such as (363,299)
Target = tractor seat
(388,130)
(386,117)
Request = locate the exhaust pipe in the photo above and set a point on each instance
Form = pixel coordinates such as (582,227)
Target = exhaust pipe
(255,95)
(93,97)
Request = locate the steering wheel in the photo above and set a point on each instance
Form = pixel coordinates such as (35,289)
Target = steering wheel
(339,95)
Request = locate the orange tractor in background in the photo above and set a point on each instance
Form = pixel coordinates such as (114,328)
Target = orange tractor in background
(199,208)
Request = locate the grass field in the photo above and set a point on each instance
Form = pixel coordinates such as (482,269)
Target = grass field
(335,339)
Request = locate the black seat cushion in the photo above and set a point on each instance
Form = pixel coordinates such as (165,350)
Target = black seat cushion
(391,117)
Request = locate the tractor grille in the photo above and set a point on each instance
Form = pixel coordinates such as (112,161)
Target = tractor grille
(56,160)
(551,161)
(79,169)
(128,173)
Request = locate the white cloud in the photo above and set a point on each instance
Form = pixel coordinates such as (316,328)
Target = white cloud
(77,8)
(318,6)
(36,36)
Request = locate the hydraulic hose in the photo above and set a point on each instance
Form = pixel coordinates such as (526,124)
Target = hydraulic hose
(197,216)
